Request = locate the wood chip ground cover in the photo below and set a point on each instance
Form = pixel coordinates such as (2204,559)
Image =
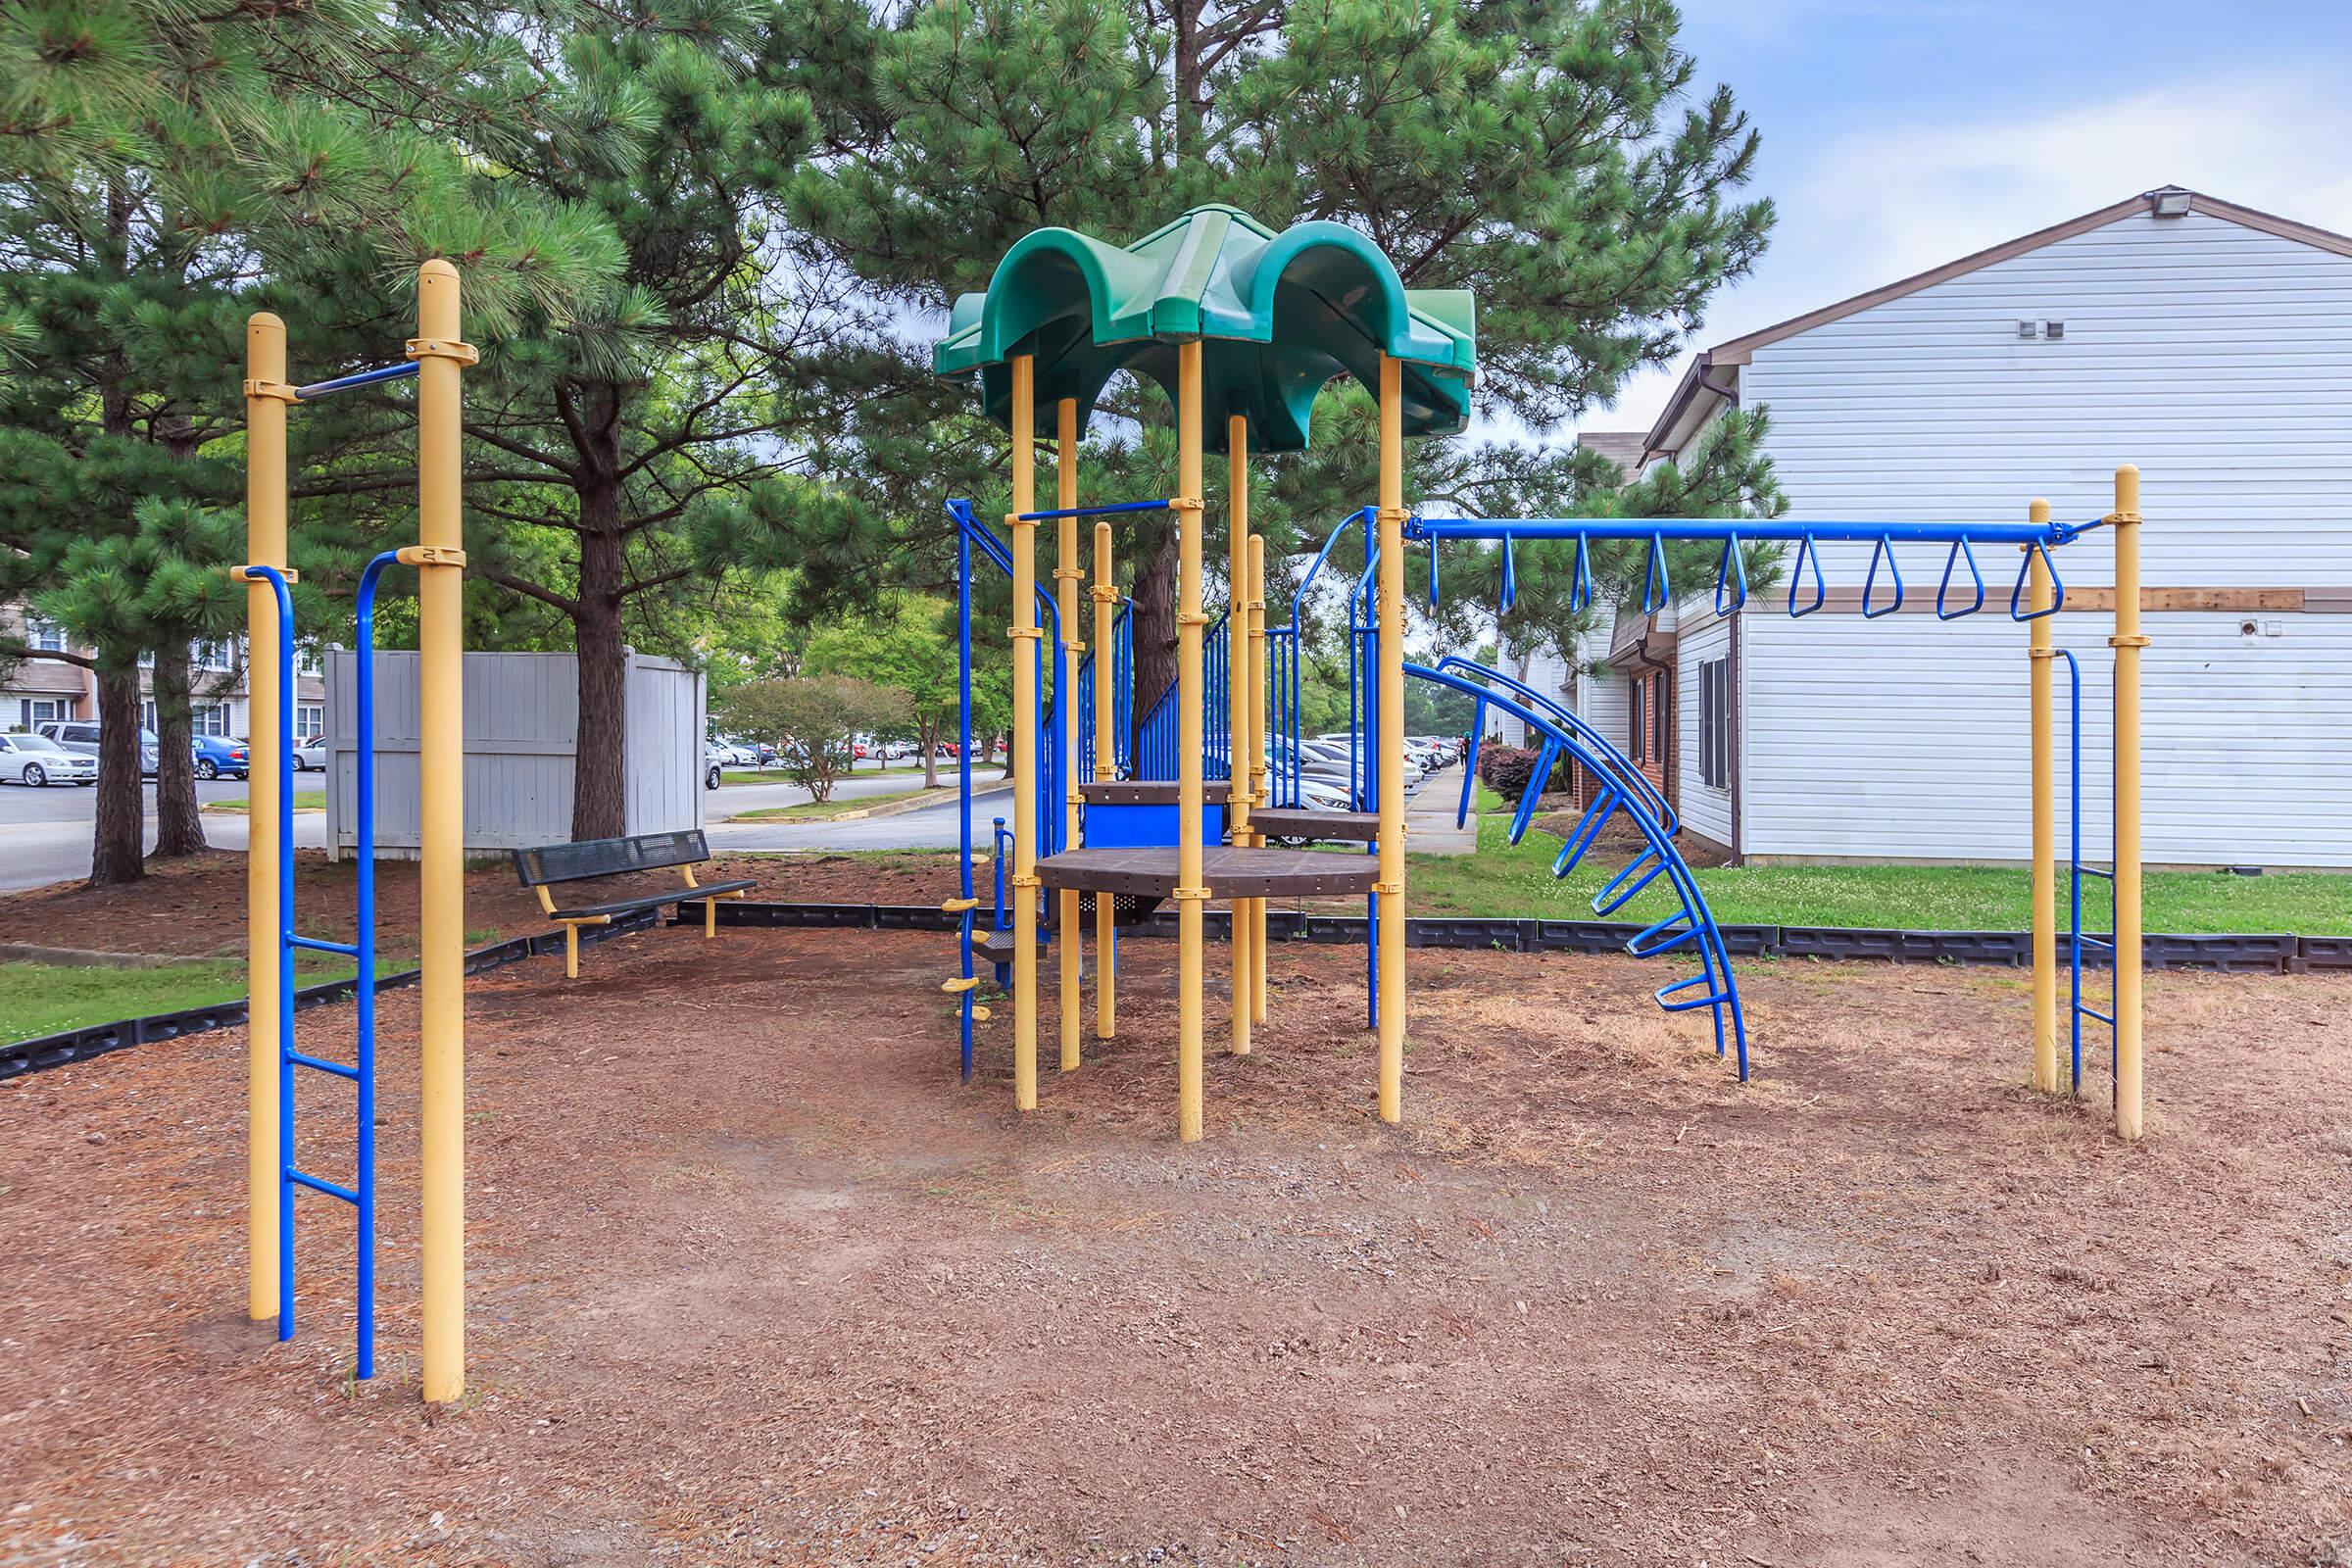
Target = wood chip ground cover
(754,1279)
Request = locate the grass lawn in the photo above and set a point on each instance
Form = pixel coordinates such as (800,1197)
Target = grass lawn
(1503,881)
(41,999)
(303,800)
(813,811)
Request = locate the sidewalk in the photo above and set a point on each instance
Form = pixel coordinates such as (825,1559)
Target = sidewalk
(1429,816)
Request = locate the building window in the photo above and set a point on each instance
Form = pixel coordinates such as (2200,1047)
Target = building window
(208,718)
(308,720)
(1660,719)
(40,710)
(214,653)
(46,635)
(1638,731)
(1715,723)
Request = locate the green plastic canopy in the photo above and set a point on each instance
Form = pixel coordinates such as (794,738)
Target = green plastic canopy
(1278,314)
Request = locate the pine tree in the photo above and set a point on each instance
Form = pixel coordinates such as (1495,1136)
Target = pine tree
(1547,156)
(637,447)
(163,172)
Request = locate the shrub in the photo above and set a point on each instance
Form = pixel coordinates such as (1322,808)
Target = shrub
(1505,769)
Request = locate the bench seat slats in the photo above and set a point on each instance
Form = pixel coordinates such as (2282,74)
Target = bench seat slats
(651,900)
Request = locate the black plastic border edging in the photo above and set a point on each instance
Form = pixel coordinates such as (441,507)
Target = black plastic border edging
(2252,952)
(2242,952)
(22,1057)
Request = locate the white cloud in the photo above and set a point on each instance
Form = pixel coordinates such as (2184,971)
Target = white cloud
(1873,205)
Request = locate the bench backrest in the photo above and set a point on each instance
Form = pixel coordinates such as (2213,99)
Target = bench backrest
(644,851)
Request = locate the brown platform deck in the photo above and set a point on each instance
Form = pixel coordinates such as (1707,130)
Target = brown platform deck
(1143,791)
(1293,822)
(1229,872)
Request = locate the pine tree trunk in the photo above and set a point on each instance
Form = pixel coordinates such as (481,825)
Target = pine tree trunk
(599,779)
(119,833)
(178,828)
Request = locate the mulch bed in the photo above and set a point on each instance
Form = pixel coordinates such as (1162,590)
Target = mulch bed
(755,1279)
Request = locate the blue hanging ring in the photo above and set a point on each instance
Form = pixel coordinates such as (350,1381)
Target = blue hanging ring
(2024,571)
(1511,577)
(1433,576)
(1805,553)
(1579,594)
(1886,553)
(1960,552)
(1737,566)
(1655,588)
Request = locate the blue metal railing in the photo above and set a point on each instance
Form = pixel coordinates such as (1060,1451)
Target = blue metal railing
(1123,665)
(1158,739)
(361,1072)
(1051,789)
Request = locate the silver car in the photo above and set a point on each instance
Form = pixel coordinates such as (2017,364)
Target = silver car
(80,737)
(37,759)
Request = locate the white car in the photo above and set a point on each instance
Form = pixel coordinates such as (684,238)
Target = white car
(37,759)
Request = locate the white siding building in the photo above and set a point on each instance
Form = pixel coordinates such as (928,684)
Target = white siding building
(2206,343)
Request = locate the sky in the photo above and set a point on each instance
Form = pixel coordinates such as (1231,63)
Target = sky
(1900,134)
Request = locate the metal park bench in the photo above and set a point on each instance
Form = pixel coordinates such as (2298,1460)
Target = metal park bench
(551,865)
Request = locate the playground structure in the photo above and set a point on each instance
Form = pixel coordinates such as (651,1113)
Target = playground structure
(436,358)
(1231,318)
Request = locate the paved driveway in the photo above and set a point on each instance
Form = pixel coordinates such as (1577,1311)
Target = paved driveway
(45,833)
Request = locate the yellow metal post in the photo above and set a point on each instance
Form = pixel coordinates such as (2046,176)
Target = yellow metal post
(266,394)
(2127,643)
(1390,886)
(441,354)
(1258,763)
(1107,768)
(2039,656)
(1066,576)
(1192,889)
(1237,703)
(1025,760)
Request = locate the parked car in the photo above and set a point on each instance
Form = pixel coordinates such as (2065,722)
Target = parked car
(311,755)
(80,736)
(716,759)
(37,759)
(216,754)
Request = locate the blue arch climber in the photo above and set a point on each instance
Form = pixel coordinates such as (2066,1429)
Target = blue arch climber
(1692,924)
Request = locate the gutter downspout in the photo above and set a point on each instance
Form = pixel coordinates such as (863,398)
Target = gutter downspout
(1699,368)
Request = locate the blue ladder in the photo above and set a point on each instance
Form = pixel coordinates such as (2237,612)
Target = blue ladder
(360,1194)
(2078,943)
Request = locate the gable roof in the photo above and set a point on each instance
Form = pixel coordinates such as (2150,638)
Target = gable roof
(1279,316)
(1740,351)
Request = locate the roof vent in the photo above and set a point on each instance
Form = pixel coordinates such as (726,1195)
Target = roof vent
(2169,202)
